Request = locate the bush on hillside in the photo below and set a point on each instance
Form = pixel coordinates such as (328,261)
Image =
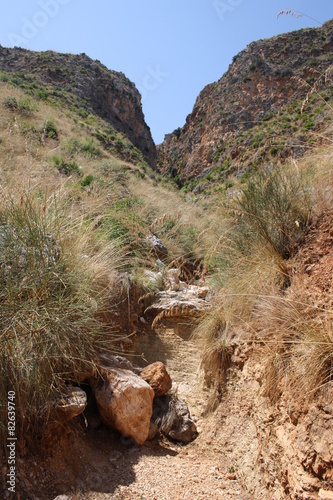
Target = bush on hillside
(66,167)
(53,281)
(275,207)
(264,226)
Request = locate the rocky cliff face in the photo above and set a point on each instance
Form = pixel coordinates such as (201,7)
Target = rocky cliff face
(254,112)
(85,84)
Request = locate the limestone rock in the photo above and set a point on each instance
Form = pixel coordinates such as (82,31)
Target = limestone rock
(71,404)
(156,244)
(173,418)
(179,300)
(172,279)
(157,377)
(108,360)
(315,441)
(124,401)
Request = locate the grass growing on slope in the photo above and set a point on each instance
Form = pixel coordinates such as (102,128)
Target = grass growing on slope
(298,347)
(263,226)
(54,279)
(275,209)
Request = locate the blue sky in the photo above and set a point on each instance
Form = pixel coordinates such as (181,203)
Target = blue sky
(170,48)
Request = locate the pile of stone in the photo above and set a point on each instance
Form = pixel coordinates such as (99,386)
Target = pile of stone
(136,402)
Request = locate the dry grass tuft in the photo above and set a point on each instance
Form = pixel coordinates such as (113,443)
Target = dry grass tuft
(298,350)
(297,14)
(55,278)
(213,336)
(263,229)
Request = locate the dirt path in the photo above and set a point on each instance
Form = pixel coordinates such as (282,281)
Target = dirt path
(103,465)
(167,471)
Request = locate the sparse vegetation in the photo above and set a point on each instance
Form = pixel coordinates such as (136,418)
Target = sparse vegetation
(252,268)
(66,167)
(24,106)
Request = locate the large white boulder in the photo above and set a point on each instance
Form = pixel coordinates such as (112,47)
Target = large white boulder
(125,402)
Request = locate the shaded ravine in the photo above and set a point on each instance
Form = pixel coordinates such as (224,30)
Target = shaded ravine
(160,469)
(102,465)
(200,469)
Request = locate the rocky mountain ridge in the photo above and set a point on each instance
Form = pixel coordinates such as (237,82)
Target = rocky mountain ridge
(254,114)
(87,85)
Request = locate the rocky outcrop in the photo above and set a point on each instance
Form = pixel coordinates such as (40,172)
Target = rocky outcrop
(157,246)
(172,417)
(307,451)
(70,405)
(179,299)
(157,377)
(279,450)
(252,115)
(124,402)
(85,84)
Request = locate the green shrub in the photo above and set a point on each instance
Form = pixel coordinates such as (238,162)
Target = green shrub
(87,146)
(257,63)
(10,103)
(275,207)
(27,106)
(50,129)
(308,123)
(189,185)
(90,147)
(87,180)
(4,77)
(66,167)
(42,94)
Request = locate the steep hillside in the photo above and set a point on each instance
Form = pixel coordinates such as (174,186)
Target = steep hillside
(255,113)
(85,85)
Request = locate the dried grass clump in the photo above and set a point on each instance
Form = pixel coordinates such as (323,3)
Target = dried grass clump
(320,164)
(276,208)
(298,350)
(54,280)
(213,337)
(265,226)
